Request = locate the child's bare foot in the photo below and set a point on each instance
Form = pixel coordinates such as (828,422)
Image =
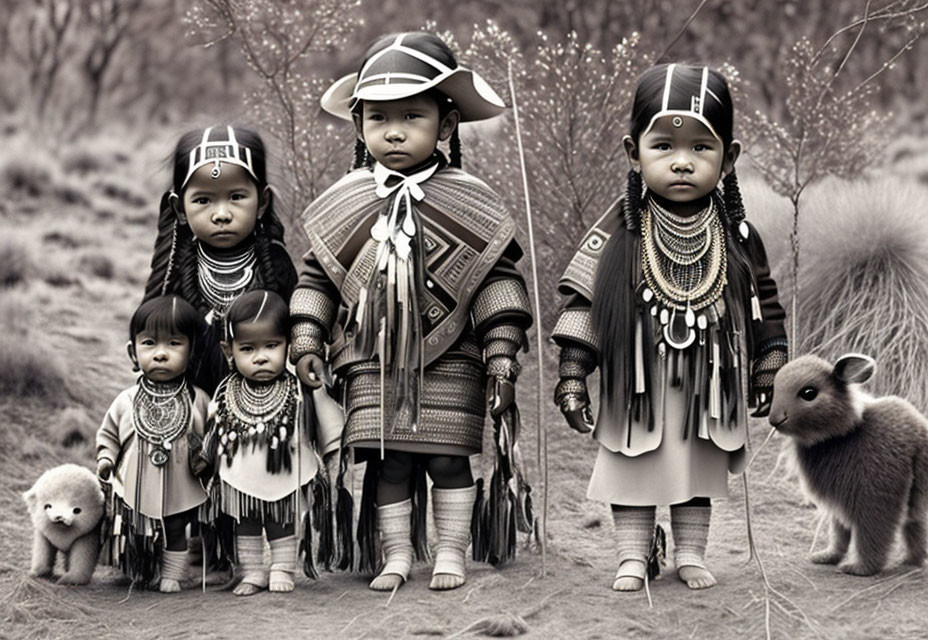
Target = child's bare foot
(246,589)
(696,577)
(445,581)
(168,585)
(387,582)
(630,576)
(280,582)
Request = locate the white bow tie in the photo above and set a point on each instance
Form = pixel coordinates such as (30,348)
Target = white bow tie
(407,188)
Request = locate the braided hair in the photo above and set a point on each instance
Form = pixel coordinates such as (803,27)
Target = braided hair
(174,258)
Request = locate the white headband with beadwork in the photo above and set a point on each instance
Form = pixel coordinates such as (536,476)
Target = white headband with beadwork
(696,106)
(218,151)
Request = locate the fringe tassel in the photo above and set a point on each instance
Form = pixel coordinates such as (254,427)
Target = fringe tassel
(657,554)
(508,509)
(367,521)
(420,501)
(322,517)
(134,543)
(306,546)
(344,517)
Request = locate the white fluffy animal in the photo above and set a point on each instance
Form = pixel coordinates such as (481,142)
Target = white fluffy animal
(66,506)
(864,459)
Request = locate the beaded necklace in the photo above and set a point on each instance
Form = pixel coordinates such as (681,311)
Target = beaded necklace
(684,264)
(223,278)
(258,412)
(160,414)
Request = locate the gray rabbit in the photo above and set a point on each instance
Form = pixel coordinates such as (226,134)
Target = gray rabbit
(864,459)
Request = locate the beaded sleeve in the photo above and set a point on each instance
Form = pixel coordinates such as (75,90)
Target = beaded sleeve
(501,313)
(770,346)
(578,343)
(313,308)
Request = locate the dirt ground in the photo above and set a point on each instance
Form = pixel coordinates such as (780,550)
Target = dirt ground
(80,312)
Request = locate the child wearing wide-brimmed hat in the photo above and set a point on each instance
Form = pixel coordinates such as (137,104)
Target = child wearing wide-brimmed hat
(410,294)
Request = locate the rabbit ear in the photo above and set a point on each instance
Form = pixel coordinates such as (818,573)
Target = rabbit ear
(854,368)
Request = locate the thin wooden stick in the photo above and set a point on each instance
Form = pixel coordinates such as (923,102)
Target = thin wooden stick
(542,445)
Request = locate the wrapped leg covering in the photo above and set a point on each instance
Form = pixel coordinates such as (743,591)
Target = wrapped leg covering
(690,526)
(283,563)
(453,510)
(634,527)
(395,536)
(250,551)
(173,570)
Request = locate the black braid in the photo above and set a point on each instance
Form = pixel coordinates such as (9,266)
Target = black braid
(734,207)
(631,208)
(267,275)
(186,260)
(360,154)
(161,259)
(454,147)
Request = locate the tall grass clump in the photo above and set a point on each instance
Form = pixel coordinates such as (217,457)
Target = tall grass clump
(864,281)
(29,369)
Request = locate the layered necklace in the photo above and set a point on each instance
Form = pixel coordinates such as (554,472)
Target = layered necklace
(223,277)
(160,414)
(256,412)
(684,265)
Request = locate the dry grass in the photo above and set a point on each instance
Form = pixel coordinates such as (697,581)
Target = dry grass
(864,279)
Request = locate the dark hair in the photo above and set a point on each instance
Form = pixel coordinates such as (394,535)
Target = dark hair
(434,47)
(166,314)
(174,260)
(614,306)
(247,306)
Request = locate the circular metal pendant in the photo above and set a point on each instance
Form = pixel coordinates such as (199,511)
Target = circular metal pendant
(158,457)
(677,122)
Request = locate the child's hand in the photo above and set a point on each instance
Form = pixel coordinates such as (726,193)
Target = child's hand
(577,413)
(311,370)
(104,468)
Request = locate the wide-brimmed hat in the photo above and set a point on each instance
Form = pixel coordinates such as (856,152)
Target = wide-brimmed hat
(403,69)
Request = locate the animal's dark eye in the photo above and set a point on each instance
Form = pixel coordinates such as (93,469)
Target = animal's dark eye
(48,506)
(808,393)
(77,510)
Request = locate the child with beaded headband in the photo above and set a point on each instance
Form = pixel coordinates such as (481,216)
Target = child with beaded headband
(411,279)
(218,234)
(265,469)
(144,447)
(670,294)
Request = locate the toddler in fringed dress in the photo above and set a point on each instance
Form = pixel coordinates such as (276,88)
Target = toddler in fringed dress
(670,295)
(144,448)
(267,475)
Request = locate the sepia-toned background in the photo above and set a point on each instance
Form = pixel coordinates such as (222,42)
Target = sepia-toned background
(832,105)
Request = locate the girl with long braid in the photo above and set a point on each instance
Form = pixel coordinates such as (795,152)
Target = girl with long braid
(218,234)
(670,295)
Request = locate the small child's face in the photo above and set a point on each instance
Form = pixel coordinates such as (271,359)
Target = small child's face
(259,351)
(162,357)
(681,160)
(400,134)
(221,211)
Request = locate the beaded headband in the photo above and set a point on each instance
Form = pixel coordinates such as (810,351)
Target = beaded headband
(678,107)
(218,151)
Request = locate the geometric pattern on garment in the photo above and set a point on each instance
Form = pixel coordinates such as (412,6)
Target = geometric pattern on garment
(465,230)
(453,407)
